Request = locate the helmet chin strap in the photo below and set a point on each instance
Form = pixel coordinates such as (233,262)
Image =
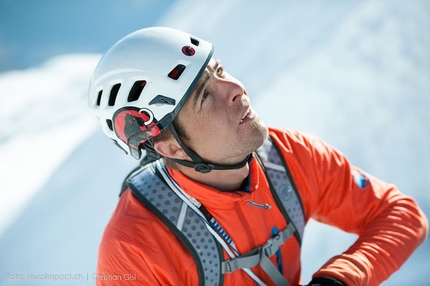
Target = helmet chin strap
(197,162)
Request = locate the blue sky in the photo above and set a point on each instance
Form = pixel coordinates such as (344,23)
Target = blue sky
(34,31)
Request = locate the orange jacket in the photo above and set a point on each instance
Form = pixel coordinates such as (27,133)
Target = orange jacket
(137,249)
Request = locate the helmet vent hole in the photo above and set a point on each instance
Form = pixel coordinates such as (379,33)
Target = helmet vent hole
(162,100)
(194,42)
(176,72)
(109,124)
(136,90)
(113,94)
(99,97)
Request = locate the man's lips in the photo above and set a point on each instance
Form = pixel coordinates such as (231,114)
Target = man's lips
(247,116)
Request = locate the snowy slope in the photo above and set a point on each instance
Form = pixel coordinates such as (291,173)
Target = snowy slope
(355,74)
(43,118)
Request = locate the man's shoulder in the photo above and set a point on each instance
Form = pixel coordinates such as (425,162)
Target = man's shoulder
(130,218)
(288,137)
(304,148)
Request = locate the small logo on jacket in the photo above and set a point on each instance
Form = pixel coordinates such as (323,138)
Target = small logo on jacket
(361,180)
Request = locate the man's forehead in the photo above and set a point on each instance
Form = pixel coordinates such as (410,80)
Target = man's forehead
(209,71)
(212,63)
(210,68)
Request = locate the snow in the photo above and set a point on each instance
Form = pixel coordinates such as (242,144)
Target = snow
(36,120)
(354,73)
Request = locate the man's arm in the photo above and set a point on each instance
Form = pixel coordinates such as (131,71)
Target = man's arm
(390,224)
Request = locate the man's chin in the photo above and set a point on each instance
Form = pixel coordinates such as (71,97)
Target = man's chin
(259,125)
(261,133)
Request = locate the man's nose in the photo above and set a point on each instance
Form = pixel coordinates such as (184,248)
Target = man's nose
(231,91)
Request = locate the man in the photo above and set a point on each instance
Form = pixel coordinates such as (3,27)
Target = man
(228,201)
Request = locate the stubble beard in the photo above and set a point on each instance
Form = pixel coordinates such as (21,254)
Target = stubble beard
(259,127)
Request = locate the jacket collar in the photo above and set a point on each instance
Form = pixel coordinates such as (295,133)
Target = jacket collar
(213,198)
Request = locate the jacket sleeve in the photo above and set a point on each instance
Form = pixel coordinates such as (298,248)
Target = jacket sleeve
(389,224)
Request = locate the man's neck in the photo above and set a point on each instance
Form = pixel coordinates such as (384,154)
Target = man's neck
(222,180)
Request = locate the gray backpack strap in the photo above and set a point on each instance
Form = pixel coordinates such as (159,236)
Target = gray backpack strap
(282,185)
(156,195)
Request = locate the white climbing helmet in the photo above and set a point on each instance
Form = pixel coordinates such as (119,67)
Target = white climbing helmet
(142,82)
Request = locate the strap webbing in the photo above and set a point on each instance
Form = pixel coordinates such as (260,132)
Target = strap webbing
(261,256)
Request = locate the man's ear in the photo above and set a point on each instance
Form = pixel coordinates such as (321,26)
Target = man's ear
(170,149)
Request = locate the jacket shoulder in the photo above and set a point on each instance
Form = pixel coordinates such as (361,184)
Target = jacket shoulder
(133,243)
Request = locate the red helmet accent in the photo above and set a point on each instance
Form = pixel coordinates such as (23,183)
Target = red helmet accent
(134,126)
(188,51)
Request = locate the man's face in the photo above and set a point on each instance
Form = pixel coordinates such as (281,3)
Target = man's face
(218,118)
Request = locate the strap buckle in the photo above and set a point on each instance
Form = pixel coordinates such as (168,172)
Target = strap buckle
(226,267)
(271,246)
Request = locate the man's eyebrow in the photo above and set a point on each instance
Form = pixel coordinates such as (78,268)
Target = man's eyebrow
(202,82)
(217,63)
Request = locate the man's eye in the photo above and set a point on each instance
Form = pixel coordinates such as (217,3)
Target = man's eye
(205,95)
(220,71)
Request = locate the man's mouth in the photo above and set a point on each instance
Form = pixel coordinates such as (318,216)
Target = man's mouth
(247,116)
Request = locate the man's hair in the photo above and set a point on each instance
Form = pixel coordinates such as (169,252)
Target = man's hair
(165,135)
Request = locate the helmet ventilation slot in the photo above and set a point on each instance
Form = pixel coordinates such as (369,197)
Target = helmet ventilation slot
(136,90)
(176,72)
(109,124)
(162,100)
(113,94)
(99,97)
(195,42)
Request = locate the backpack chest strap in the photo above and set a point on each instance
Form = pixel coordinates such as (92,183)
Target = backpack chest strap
(260,255)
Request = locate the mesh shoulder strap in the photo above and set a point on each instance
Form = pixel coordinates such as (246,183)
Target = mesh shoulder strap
(156,195)
(282,186)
